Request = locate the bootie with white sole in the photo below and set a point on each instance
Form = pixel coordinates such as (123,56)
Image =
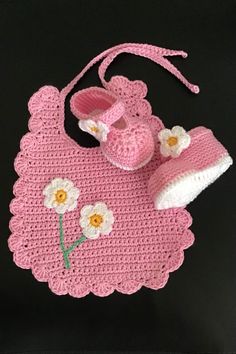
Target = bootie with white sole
(196,159)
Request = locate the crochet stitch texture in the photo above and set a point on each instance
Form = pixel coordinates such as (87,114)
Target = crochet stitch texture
(144,246)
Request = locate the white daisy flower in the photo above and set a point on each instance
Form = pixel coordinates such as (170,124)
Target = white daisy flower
(173,141)
(96,128)
(95,220)
(61,194)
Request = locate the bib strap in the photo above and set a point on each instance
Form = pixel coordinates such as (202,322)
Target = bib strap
(154,53)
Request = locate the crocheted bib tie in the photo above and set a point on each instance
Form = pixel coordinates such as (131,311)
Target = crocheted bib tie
(81,224)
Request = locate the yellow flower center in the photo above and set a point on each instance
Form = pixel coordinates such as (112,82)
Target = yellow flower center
(96,220)
(60,196)
(172,140)
(94,129)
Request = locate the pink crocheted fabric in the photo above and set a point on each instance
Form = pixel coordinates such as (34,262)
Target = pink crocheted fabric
(140,246)
(125,140)
(144,246)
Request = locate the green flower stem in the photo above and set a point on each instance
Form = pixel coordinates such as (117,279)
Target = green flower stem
(67,251)
(76,243)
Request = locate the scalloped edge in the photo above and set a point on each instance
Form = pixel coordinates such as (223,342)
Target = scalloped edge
(126,287)
(141,83)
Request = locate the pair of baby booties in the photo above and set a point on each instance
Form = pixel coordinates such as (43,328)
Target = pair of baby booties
(98,219)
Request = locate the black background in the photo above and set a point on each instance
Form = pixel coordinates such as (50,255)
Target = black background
(48,42)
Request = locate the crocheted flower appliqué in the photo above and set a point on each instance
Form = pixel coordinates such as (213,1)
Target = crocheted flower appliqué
(96,128)
(173,141)
(61,194)
(145,245)
(95,220)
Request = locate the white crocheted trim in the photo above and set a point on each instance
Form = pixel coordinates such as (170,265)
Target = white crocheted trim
(186,188)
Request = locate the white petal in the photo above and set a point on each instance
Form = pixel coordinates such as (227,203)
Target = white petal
(176,152)
(165,151)
(83,124)
(55,203)
(48,202)
(100,208)
(103,126)
(86,210)
(86,125)
(84,222)
(164,134)
(106,230)
(185,140)
(103,131)
(91,122)
(110,217)
(91,232)
(106,226)
(76,192)
(61,209)
(102,136)
(57,183)
(178,130)
(66,185)
(73,193)
(72,205)
(48,189)
(100,204)
(179,149)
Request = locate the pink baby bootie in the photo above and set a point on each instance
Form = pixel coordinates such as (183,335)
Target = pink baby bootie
(195,160)
(126,141)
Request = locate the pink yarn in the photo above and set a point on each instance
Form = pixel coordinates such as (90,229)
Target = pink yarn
(204,151)
(84,103)
(144,246)
(130,142)
(156,54)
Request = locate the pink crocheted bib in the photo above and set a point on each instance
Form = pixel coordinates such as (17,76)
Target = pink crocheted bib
(144,246)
